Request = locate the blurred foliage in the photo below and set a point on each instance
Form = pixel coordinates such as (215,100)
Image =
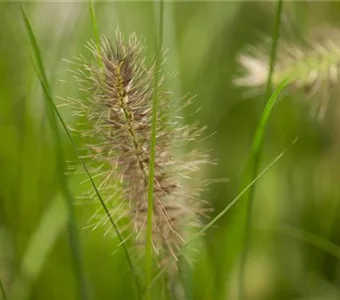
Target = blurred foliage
(301,193)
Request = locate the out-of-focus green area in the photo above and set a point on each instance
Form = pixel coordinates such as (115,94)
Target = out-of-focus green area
(295,232)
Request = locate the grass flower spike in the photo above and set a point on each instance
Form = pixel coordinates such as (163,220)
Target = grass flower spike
(116,116)
(314,68)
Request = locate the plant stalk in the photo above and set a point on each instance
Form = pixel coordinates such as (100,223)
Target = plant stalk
(255,157)
(148,246)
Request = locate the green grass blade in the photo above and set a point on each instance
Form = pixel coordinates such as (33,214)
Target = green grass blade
(276,37)
(94,21)
(39,247)
(311,239)
(257,146)
(72,228)
(148,246)
(254,165)
(2,289)
(40,68)
(260,130)
(95,28)
(224,211)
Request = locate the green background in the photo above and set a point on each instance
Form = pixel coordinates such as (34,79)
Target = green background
(296,221)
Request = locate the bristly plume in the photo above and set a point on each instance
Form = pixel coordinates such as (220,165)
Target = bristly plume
(313,67)
(116,116)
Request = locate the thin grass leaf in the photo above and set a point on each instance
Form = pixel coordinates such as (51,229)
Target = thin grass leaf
(312,239)
(253,167)
(72,228)
(276,37)
(148,245)
(39,247)
(94,21)
(257,147)
(95,27)
(224,211)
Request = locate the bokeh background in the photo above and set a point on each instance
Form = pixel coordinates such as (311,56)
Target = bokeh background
(295,230)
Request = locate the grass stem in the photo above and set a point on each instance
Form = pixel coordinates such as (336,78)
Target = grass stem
(95,28)
(257,149)
(148,246)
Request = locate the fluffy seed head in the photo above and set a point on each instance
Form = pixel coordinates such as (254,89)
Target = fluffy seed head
(116,113)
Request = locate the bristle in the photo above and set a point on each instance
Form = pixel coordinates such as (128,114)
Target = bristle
(116,125)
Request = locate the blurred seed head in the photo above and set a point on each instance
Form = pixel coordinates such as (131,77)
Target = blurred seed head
(312,67)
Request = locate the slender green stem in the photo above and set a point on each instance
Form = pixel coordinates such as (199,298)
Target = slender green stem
(95,29)
(276,37)
(72,228)
(148,246)
(222,213)
(127,255)
(94,21)
(257,148)
(2,289)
